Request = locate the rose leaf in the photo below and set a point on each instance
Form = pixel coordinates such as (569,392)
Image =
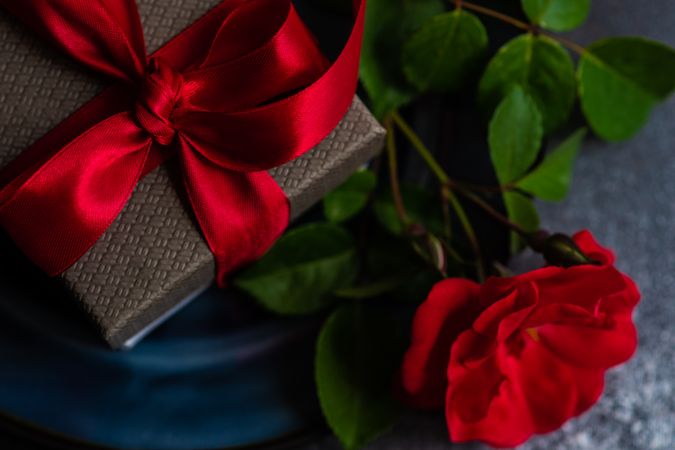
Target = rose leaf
(299,273)
(350,198)
(551,179)
(621,80)
(389,23)
(514,135)
(544,70)
(445,51)
(557,15)
(357,355)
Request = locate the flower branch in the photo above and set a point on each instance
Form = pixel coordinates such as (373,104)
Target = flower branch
(447,194)
(530,28)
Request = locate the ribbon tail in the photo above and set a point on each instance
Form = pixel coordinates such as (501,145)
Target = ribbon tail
(240,214)
(56,212)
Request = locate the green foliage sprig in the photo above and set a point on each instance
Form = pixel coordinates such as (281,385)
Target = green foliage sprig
(384,243)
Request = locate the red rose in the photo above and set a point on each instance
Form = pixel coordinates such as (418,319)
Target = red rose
(522,355)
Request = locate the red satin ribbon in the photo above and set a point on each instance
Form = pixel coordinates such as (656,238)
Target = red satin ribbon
(242,90)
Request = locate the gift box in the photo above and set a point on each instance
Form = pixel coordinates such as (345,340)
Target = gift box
(153,258)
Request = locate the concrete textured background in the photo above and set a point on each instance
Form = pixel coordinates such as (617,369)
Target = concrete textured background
(625,194)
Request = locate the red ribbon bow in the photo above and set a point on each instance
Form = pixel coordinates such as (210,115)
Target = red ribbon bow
(242,90)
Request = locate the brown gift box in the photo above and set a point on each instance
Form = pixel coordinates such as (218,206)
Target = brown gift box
(153,258)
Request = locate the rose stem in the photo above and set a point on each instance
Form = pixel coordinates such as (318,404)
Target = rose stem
(443,178)
(488,209)
(459,4)
(519,24)
(393,174)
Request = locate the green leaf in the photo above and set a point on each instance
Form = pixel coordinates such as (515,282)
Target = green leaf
(422,207)
(542,67)
(357,356)
(514,135)
(557,15)
(445,51)
(551,179)
(521,210)
(299,273)
(350,198)
(389,23)
(621,80)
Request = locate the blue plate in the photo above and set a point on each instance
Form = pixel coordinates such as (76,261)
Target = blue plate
(221,374)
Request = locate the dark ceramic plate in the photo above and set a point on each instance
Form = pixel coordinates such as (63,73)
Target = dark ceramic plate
(221,374)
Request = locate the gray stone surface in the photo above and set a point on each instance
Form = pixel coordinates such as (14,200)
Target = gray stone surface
(625,194)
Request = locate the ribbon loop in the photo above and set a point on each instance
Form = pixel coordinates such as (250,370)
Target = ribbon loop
(104,35)
(243,90)
(157,99)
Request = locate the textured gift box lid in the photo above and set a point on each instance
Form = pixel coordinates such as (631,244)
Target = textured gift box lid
(153,258)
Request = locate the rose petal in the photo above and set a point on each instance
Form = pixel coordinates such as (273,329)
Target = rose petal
(547,387)
(628,298)
(554,390)
(449,310)
(598,335)
(537,274)
(587,243)
(511,396)
(590,384)
(581,285)
(479,403)
(592,347)
(528,294)
(564,314)
(488,321)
